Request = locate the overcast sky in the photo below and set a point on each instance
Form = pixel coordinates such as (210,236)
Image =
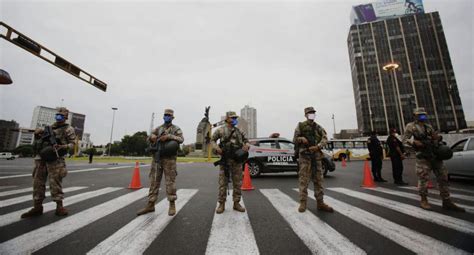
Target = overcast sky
(278,57)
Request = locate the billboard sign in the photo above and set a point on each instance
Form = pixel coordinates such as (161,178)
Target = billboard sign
(384,9)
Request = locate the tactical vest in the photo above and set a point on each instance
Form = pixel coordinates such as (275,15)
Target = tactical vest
(231,140)
(60,134)
(312,132)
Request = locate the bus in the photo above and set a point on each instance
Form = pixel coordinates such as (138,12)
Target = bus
(349,149)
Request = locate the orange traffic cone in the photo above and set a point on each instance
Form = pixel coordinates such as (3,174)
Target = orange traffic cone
(368,181)
(343,162)
(247,183)
(135,183)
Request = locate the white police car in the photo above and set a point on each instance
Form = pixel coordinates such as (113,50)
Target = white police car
(273,155)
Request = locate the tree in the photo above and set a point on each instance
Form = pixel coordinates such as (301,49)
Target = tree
(135,145)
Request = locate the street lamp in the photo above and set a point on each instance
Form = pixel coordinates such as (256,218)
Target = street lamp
(392,67)
(112,129)
(5,77)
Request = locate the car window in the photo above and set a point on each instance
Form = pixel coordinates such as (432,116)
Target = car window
(267,144)
(470,145)
(459,146)
(285,145)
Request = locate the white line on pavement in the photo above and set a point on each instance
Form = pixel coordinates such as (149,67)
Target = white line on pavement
(17,191)
(436,192)
(462,190)
(41,237)
(318,236)
(12,217)
(410,239)
(413,211)
(7,187)
(231,232)
(74,171)
(17,200)
(434,201)
(146,228)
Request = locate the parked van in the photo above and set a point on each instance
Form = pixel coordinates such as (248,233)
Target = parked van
(7,155)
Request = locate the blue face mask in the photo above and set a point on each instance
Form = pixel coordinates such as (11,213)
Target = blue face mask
(422,117)
(167,118)
(234,122)
(59,117)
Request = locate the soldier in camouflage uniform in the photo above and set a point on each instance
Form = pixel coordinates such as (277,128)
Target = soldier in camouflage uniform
(310,138)
(163,133)
(231,139)
(55,170)
(426,162)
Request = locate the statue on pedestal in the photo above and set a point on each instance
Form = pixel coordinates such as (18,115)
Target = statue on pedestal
(203,135)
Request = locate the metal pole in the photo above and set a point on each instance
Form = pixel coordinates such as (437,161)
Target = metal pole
(396,101)
(334,125)
(112,129)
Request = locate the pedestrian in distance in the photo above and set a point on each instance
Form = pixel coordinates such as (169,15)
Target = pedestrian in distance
(429,158)
(91,156)
(233,143)
(51,144)
(396,152)
(376,156)
(164,143)
(310,138)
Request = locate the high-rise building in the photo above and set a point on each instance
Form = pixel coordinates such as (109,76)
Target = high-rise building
(24,136)
(399,63)
(8,136)
(249,114)
(44,116)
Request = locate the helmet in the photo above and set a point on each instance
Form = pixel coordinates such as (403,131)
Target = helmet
(443,152)
(169,148)
(48,153)
(63,111)
(241,155)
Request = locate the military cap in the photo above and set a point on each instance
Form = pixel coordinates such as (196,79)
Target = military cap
(169,112)
(308,110)
(230,114)
(419,110)
(63,111)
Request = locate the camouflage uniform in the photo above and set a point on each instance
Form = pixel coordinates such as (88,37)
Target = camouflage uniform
(236,141)
(312,132)
(54,171)
(167,165)
(425,165)
(426,162)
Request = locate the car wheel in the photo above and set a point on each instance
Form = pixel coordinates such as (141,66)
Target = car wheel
(254,169)
(325,169)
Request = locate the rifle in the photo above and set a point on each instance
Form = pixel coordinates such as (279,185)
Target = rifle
(224,163)
(311,142)
(50,138)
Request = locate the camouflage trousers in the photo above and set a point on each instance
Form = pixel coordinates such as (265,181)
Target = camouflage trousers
(54,171)
(168,167)
(305,175)
(424,168)
(236,175)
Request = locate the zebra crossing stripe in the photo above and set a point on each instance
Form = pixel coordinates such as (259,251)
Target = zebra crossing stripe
(434,201)
(41,237)
(13,217)
(417,212)
(145,228)
(231,232)
(436,192)
(17,191)
(410,239)
(318,236)
(17,200)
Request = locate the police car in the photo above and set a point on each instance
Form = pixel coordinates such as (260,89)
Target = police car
(275,154)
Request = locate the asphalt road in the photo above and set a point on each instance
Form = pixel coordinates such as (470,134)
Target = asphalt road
(102,215)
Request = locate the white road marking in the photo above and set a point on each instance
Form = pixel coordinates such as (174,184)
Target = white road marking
(434,201)
(17,191)
(41,237)
(436,192)
(74,171)
(231,232)
(7,187)
(145,228)
(318,236)
(12,217)
(462,190)
(412,240)
(413,211)
(17,200)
